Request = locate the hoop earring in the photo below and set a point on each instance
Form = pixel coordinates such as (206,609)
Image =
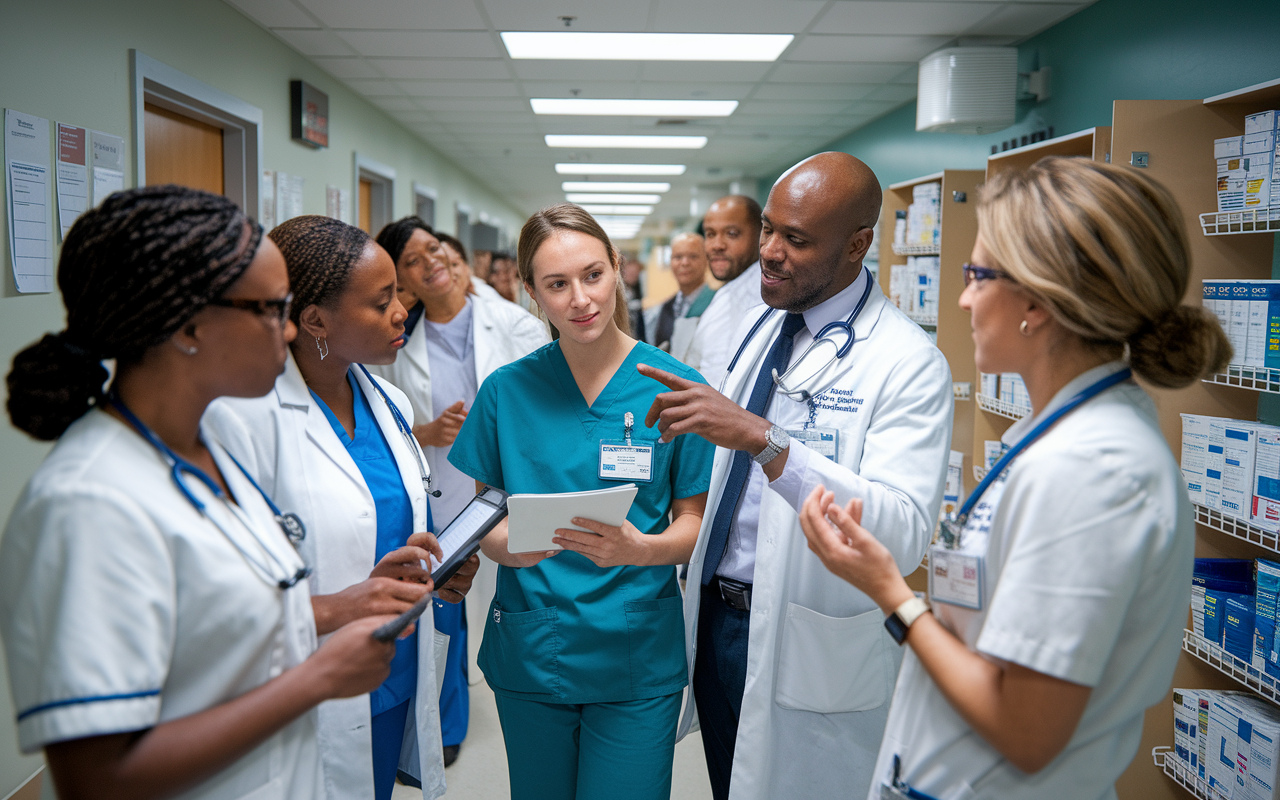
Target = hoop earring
(324,351)
(1023,328)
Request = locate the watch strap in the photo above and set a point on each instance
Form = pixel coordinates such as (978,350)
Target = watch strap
(775,441)
(900,621)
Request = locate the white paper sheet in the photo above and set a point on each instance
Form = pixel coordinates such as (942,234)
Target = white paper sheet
(337,203)
(27,177)
(73,174)
(535,517)
(267,199)
(108,165)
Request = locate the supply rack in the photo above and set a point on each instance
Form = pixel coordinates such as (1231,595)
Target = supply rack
(1174,139)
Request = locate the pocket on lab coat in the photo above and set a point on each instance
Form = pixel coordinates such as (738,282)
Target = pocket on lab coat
(521,650)
(655,639)
(832,664)
(272,790)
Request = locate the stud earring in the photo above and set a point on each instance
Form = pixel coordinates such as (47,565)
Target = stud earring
(1023,328)
(191,351)
(324,350)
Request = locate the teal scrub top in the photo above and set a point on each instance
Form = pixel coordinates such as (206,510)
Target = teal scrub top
(567,631)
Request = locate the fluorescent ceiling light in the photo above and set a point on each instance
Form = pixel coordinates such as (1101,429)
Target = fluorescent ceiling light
(637,199)
(633,108)
(583,45)
(595,210)
(614,186)
(620,169)
(635,142)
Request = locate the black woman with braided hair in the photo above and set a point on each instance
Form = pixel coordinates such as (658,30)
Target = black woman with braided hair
(335,444)
(158,630)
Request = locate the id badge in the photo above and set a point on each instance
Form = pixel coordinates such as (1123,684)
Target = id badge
(626,461)
(823,441)
(955,577)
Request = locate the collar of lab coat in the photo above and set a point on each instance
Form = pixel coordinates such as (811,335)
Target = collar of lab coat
(483,324)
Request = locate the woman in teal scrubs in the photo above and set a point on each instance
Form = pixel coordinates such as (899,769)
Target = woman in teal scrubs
(584,648)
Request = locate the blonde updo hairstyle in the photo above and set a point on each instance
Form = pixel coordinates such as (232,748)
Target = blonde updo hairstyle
(569,217)
(1104,249)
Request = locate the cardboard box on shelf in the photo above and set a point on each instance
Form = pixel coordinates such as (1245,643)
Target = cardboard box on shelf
(1231,180)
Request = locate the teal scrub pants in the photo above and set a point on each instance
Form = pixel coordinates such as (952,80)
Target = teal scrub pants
(597,751)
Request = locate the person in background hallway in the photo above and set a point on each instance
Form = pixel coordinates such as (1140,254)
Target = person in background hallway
(632,269)
(453,343)
(502,276)
(791,668)
(1033,682)
(482,263)
(457,253)
(583,649)
(732,230)
(329,442)
(156,619)
(678,317)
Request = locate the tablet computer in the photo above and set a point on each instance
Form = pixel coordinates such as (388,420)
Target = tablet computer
(459,540)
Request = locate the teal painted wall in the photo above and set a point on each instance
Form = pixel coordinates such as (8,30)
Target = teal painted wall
(1112,50)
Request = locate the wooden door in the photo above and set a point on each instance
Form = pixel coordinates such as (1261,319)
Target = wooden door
(366,203)
(183,150)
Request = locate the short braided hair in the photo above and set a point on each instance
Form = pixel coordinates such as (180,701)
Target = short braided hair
(396,235)
(132,272)
(319,253)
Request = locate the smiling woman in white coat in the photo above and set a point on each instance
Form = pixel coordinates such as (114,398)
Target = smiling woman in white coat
(334,444)
(1059,594)
(155,615)
(785,662)
(455,340)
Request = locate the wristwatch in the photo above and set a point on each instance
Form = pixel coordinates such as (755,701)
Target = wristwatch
(899,622)
(775,441)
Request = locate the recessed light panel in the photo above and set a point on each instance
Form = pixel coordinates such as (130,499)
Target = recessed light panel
(615,186)
(628,142)
(638,199)
(632,108)
(589,46)
(620,169)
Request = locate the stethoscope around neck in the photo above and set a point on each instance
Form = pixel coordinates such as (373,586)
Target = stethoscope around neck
(290,524)
(406,432)
(832,343)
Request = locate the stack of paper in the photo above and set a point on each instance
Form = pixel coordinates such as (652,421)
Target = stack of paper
(534,518)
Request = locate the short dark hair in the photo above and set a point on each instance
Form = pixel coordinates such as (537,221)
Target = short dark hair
(755,214)
(453,242)
(394,236)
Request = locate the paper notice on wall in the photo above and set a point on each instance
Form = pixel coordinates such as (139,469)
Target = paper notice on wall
(27,178)
(73,174)
(108,165)
(288,196)
(267,199)
(337,203)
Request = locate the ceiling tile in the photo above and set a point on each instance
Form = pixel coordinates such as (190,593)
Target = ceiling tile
(1025,19)
(694,90)
(374,88)
(446,69)
(469,104)
(426,44)
(704,71)
(458,88)
(787,107)
(735,16)
(588,89)
(392,103)
(881,17)
(865,48)
(814,91)
(544,15)
(274,13)
(893,92)
(532,70)
(842,73)
(352,67)
(314,43)
(396,14)
(872,107)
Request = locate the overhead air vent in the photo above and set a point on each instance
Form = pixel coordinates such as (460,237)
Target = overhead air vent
(967,90)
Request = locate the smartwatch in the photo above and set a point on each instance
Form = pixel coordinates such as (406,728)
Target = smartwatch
(899,622)
(775,441)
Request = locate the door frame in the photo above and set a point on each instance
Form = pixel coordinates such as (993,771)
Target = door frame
(241,123)
(381,196)
(421,190)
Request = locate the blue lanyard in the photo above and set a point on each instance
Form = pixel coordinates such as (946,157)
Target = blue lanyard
(290,524)
(403,426)
(951,527)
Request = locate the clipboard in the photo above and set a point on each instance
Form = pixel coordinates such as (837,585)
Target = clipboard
(459,540)
(535,517)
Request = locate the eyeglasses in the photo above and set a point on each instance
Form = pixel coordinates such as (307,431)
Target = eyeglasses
(277,310)
(973,272)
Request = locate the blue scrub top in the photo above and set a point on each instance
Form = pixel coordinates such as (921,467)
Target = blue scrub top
(377,464)
(567,631)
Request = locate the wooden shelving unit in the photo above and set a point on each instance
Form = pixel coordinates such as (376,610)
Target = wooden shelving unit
(1177,136)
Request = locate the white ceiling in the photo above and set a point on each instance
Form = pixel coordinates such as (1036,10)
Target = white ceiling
(440,68)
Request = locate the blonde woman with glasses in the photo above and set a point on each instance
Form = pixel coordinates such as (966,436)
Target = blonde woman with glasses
(1059,594)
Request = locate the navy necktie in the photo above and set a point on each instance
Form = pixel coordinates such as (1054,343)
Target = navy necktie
(778,358)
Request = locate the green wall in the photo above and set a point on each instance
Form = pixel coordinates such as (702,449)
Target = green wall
(68,61)
(1112,50)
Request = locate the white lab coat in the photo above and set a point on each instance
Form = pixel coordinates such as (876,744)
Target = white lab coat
(286,442)
(123,607)
(502,332)
(820,665)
